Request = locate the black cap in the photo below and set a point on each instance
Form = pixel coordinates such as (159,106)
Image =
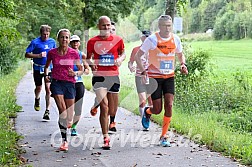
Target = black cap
(113,23)
(146,33)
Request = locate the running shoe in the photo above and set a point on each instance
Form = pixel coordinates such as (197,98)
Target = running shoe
(164,142)
(112,127)
(93,111)
(106,145)
(74,132)
(146,119)
(36,104)
(64,146)
(46,115)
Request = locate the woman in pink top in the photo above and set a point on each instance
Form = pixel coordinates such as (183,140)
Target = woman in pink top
(62,87)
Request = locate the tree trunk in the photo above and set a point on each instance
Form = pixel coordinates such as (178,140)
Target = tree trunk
(171,8)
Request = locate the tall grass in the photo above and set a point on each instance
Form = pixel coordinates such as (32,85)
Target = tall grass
(8,108)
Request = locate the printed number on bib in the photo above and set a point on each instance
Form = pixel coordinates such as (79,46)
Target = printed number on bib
(166,67)
(41,69)
(106,60)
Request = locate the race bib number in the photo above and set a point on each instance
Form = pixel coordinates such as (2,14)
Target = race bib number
(41,69)
(106,60)
(166,67)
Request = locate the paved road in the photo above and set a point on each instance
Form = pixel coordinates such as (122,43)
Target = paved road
(130,145)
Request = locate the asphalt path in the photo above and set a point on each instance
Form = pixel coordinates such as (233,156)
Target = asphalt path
(131,147)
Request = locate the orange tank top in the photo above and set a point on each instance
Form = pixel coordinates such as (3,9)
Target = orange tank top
(162,58)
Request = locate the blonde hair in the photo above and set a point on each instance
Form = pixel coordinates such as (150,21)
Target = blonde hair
(63,30)
(43,28)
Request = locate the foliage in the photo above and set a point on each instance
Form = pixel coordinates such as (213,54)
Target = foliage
(111,8)
(58,14)
(228,19)
(8,59)
(8,108)
(8,37)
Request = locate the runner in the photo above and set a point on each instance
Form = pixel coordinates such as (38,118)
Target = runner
(62,87)
(93,111)
(107,52)
(162,48)
(142,89)
(37,51)
(79,86)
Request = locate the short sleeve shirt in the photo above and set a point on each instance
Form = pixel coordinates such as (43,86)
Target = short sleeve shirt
(37,46)
(105,52)
(61,64)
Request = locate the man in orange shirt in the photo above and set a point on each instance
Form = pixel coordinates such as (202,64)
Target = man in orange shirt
(162,47)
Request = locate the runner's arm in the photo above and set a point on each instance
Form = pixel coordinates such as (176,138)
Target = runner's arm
(31,55)
(139,61)
(85,64)
(183,67)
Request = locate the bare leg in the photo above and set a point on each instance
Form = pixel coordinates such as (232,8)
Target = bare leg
(101,95)
(37,91)
(47,96)
(168,104)
(112,103)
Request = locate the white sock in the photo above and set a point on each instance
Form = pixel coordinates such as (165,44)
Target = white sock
(141,111)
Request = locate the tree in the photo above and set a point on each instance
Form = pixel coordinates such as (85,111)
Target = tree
(173,7)
(8,36)
(114,9)
(93,9)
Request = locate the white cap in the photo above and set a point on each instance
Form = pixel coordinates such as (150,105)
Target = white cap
(74,38)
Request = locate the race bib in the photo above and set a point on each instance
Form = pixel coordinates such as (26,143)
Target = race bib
(41,69)
(107,60)
(166,66)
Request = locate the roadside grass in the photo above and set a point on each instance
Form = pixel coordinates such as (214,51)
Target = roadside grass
(9,150)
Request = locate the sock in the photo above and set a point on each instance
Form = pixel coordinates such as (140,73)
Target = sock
(148,111)
(74,125)
(166,124)
(63,129)
(112,119)
(141,111)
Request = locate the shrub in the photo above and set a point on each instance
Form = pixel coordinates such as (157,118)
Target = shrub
(8,59)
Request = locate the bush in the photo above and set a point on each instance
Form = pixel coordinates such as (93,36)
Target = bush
(8,59)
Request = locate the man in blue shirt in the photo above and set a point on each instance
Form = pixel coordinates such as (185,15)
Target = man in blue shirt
(37,50)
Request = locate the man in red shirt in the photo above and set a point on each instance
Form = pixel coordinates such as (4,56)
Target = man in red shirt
(107,54)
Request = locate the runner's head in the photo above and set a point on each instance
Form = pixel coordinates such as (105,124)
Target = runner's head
(145,34)
(63,37)
(45,32)
(104,25)
(75,41)
(165,24)
(113,28)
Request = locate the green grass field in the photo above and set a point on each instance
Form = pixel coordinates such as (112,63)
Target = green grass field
(228,55)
